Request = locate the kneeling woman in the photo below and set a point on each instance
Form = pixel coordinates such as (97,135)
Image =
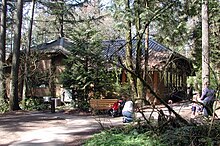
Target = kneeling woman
(127,110)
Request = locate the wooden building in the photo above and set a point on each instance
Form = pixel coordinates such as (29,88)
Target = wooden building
(46,65)
(168,70)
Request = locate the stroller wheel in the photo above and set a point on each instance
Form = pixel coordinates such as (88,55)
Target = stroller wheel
(112,114)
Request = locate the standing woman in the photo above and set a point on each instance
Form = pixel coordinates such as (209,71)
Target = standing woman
(207,98)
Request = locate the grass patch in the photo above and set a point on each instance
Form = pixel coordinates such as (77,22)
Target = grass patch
(137,135)
(126,136)
(110,139)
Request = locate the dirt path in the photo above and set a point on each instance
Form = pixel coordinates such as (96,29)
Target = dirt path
(25,129)
(60,129)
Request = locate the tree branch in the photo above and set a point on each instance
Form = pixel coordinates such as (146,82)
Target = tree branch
(154,94)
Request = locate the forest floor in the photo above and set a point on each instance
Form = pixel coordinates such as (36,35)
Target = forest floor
(62,128)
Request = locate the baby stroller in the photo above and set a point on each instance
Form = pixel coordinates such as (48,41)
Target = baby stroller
(116,109)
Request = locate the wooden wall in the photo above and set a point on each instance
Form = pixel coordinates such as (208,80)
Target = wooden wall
(43,66)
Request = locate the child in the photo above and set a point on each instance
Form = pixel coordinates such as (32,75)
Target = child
(170,103)
(195,106)
(115,109)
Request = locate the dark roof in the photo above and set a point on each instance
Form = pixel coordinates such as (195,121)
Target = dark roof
(157,52)
(60,45)
(159,55)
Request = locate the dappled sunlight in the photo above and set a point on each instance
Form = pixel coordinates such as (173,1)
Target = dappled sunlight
(48,128)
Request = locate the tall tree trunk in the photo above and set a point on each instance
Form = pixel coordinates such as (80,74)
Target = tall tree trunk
(146,75)
(14,105)
(146,49)
(26,69)
(61,26)
(2,51)
(129,53)
(61,19)
(146,55)
(52,84)
(205,43)
(138,7)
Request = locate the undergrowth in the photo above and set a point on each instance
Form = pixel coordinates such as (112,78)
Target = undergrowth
(4,107)
(136,135)
(133,138)
(35,104)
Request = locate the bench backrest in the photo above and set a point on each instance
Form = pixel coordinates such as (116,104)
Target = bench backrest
(102,104)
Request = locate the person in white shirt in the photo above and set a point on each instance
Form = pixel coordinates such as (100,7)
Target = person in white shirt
(128,110)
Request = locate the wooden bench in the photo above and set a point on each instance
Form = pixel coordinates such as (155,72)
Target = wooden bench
(102,104)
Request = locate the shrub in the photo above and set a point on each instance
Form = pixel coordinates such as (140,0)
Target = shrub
(4,107)
(35,104)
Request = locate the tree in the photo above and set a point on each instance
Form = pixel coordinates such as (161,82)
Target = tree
(205,43)
(193,38)
(14,103)
(27,55)
(2,50)
(63,14)
(142,14)
(184,34)
(214,37)
(128,61)
(87,66)
(138,9)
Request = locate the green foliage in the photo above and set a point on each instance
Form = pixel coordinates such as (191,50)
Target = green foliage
(39,78)
(214,35)
(36,75)
(196,135)
(141,135)
(4,107)
(124,89)
(35,104)
(86,68)
(107,138)
(214,12)
(83,105)
(171,26)
(197,81)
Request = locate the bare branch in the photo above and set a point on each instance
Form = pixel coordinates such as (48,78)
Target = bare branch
(154,94)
